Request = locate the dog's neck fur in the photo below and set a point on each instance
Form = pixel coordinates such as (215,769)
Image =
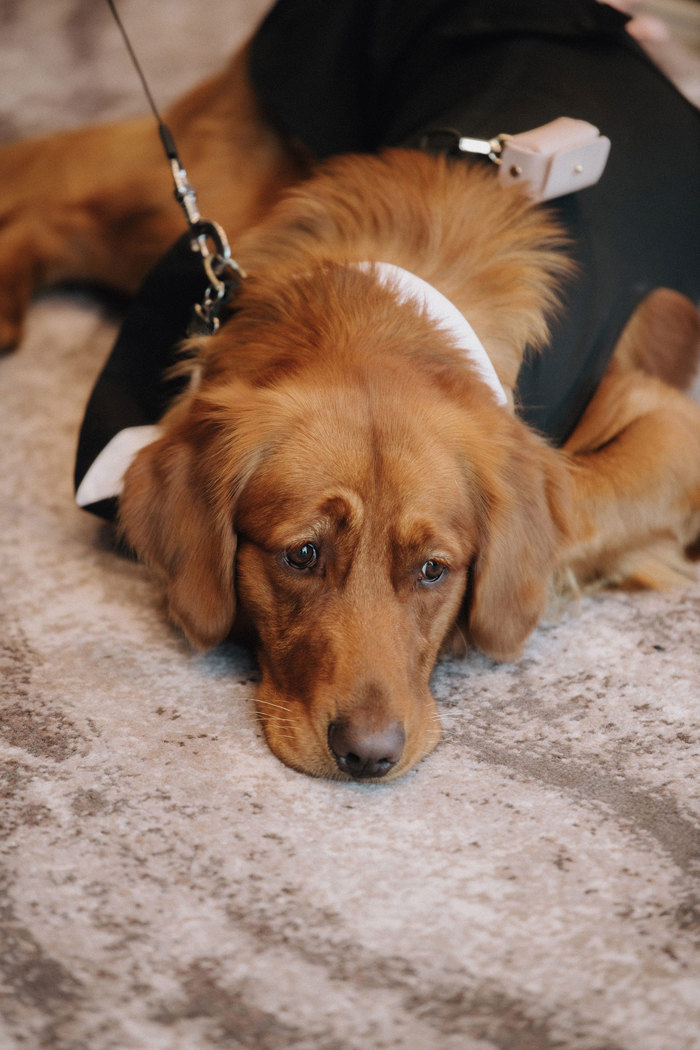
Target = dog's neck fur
(493,254)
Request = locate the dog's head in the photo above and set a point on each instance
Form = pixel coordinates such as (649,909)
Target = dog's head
(349,499)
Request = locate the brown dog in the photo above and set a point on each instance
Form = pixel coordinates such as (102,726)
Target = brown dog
(340,478)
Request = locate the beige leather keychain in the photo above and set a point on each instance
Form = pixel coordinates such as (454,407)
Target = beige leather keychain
(561,157)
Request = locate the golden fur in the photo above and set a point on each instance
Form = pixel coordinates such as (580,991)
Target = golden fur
(339,482)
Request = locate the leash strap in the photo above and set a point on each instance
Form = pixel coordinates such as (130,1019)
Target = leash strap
(206,237)
(561,157)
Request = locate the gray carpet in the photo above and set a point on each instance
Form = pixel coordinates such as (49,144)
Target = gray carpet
(166,884)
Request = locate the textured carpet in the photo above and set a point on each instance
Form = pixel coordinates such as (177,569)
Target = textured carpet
(166,884)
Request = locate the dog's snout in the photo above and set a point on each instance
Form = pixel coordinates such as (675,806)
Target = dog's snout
(363,752)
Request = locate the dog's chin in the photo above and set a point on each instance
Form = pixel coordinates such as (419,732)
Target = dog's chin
(300,741)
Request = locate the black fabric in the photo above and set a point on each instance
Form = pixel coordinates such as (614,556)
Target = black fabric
(352,75)
(362,74)
(356,75)
(133,388)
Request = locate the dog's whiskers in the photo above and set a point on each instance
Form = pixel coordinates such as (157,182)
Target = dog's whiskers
(269,703)
(272,713)
(282,735)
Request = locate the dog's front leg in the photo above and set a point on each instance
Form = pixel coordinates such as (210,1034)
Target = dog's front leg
(94,205)
(97,204)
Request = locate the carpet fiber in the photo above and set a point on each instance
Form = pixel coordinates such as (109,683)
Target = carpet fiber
(166,884)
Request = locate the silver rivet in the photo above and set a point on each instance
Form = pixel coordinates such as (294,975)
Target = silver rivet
(578,168)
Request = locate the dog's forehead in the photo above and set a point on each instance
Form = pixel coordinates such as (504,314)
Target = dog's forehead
(350,434)
(341,467)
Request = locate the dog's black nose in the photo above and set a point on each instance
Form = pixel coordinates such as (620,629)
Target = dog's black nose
(364,752)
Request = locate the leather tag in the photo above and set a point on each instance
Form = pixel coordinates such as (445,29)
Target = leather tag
(561,157)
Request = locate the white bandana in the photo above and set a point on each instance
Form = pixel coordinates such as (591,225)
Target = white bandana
(105,478)
(438,308)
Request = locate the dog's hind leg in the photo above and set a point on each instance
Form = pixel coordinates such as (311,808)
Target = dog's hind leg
(634,466)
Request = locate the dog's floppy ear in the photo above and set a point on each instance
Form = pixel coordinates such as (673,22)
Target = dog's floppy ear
(524,525)
(169,516)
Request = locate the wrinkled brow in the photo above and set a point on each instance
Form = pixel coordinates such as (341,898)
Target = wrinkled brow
(281,514)
(447,530)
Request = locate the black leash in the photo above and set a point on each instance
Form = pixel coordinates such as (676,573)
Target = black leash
(207,237)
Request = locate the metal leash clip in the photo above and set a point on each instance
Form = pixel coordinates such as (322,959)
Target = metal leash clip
(224,273)
(209,239)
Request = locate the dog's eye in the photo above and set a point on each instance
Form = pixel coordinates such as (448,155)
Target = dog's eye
(302,557)
(432,571)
